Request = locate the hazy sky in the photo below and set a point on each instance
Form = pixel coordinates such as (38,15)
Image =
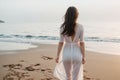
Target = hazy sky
(27,11)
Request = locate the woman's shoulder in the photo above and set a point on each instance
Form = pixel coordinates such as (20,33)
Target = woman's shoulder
(80,25)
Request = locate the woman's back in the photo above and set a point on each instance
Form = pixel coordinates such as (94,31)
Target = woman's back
(75,38)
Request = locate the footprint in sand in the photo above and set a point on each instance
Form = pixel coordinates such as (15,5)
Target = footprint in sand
(22,60)
(15,66)
(46,58)
(37,64)
(33,67)
(48,70)
(29,68)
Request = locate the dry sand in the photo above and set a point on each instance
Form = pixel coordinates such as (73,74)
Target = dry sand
(38,64)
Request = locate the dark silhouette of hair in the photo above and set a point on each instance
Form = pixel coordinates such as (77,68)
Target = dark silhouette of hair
(69,21)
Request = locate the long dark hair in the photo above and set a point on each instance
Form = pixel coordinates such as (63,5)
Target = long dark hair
(70,21)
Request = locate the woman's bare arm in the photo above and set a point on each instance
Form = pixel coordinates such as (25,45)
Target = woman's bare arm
(82,48)
(60,45)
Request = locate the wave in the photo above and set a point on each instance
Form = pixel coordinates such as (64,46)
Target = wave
(12,37)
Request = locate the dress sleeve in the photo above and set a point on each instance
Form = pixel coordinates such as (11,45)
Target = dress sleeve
(81,34)
(61,36)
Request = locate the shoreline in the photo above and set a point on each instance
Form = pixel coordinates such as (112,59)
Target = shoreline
(39,44)
(38,63)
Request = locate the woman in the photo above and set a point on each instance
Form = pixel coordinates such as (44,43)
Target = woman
(71,50)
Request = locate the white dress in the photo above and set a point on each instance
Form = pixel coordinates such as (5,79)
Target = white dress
(70,60)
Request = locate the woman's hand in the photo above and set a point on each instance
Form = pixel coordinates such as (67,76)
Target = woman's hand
(57,59)
(83,60)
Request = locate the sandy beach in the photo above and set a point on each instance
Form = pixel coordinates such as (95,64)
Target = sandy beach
(38,64)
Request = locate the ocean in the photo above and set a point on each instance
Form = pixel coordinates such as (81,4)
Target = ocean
(99,36)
